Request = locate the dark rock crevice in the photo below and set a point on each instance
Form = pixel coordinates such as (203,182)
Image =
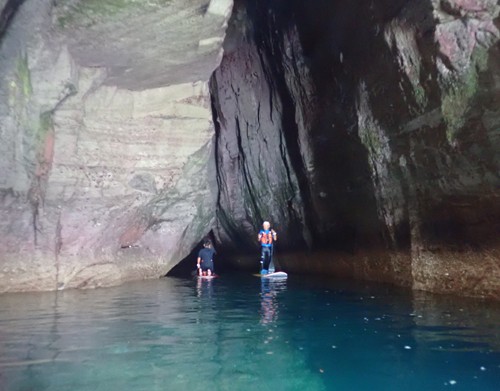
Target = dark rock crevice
(289,147)
(321,145)
(255,165)
(7,12)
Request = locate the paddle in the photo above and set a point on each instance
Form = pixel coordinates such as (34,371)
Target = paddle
(274,262)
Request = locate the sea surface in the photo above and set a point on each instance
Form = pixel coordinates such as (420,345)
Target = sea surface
(241,332)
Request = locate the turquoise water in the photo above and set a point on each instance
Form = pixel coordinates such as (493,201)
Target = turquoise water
(242,333)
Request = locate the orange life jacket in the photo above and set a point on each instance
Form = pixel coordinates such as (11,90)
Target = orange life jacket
(266,238)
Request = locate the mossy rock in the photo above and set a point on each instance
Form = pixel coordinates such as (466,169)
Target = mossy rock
(46,125)
(458,94)
(85,13)
(420,96)
(24,77)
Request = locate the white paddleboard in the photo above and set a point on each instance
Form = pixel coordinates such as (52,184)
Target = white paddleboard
(206,277)
(274,275)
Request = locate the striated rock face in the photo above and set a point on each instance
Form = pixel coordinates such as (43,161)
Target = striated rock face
(106,158)
(385,119)
(256,173)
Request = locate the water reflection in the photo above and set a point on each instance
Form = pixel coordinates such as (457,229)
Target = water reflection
(269,291)
(204,287)
(60,340)
(447,323)
(230,333)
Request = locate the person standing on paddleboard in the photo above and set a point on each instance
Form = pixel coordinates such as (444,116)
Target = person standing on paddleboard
(266,237)
(205,261)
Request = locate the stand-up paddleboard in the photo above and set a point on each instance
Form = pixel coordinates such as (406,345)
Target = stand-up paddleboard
(207,277)
(273,275)
(195,274)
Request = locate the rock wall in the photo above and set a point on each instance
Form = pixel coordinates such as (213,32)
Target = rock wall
(256,174)
(106,127)
(388,116)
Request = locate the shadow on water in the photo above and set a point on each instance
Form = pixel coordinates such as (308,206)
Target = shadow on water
(234,331)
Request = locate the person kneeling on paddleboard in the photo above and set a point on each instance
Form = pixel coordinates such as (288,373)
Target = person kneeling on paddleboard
(266,238)
(205,261)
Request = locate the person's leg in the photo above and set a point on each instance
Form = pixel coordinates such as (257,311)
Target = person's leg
(271,257)
(262,257)
(209,267)
(267,258)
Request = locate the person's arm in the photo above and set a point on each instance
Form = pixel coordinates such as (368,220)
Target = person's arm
(259,236)
(275,235)
(198,262)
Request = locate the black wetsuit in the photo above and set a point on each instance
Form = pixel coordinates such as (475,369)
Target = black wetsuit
(207,255)
(266,255)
